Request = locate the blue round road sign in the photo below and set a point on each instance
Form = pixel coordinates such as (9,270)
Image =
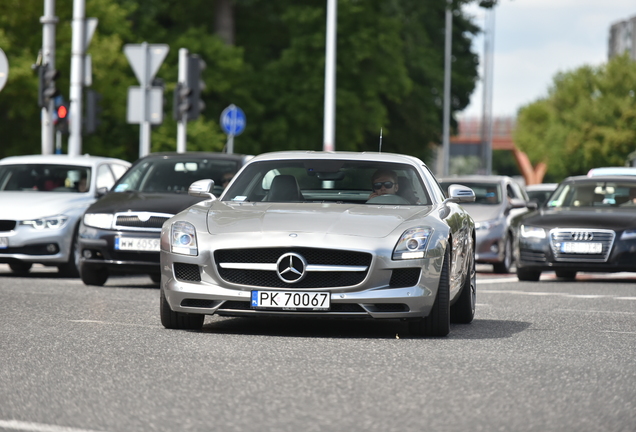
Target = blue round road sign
(233,120)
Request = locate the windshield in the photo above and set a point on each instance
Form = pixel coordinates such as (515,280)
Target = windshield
(329,181)
(44,178)
(175,175)
(485,193)
(594,194)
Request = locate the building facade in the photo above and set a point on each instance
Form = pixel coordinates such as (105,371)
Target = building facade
(622,38)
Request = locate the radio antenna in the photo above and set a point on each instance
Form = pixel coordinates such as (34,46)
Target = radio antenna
(380,141)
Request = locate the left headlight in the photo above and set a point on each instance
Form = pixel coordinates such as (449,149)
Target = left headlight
(413,243)
(183,238)
(52,222)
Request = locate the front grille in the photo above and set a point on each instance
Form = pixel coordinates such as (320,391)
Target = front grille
(401,278)
(187,272)
(338,277)
(559,236)
(198,303)
(7,225)
(335,307)
(141,221)
(532,256)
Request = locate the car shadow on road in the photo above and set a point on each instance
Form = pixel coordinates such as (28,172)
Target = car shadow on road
(354,329)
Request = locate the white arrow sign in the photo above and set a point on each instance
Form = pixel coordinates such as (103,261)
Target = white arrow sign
(4,69)
(145,59)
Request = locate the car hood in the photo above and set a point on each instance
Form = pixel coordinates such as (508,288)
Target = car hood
(482,213)
(33,205)
(116,202)
(340,219)
(616,219)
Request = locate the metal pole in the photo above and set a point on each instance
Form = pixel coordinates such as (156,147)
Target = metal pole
(487,120)
(447,82)
(329,135)
(49,20)
(229,145)
(182,122)
(77,79)
(144,126)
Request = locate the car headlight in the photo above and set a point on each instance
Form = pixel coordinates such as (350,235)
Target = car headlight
(413,243)
(99,220)
(629,234)
(487,225)
(183,238)
(52,222)
(528,231)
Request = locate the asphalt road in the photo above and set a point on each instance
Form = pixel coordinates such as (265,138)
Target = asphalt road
(545,356)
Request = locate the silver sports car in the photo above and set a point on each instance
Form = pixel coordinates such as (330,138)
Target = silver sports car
(340,235)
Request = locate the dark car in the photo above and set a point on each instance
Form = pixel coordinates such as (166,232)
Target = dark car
(589,224)
(540,193)
(497,200)
(119,234)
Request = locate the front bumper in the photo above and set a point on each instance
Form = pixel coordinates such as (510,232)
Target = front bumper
(489,246)
(97,249)
(48,247)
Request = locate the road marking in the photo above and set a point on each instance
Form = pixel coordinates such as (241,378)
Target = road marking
(595,311)
(113,323)
(619,332)
(38,427)
(561,294)
(498,280)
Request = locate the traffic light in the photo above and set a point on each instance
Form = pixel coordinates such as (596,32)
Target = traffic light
(61,124)
(93,111)
(47,89)
(196,65)
(187,103)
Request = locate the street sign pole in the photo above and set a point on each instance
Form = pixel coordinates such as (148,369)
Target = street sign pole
(49,20)
(182,122)
(77,75)
(144,127)
(330,78)
(233,122)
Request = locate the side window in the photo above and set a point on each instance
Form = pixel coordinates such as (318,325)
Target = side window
(104,177)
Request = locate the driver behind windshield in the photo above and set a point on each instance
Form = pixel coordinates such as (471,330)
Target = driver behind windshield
(384,182)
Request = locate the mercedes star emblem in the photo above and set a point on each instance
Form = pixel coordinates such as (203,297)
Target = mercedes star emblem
(291,267)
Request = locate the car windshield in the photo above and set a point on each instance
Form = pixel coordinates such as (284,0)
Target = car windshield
(44,178)
(485,193)
(594,194)
(175,175)
(539,196)
(337,181)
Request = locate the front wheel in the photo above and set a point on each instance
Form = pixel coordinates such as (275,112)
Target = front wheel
(20,268)
(463,311)
(528,275)
(506,264)
(178,320)
(93,275)
(70,269)
(437,323)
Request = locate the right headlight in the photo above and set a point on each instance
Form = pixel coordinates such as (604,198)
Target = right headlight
(413,243)
(99,220)
(527,231)
(183,238)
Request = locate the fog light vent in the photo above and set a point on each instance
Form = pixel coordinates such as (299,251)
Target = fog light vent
(187,272)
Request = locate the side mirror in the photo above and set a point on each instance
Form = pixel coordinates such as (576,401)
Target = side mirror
(202,189)
(532,205)
(101,192)
(460,194)
(514,203)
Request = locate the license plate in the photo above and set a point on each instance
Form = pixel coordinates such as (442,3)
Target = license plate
(137,244)
(292,301)
(4,242)
(581,248)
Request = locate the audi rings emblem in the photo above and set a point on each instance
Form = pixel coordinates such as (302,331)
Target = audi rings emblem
(582,236)
(291,267)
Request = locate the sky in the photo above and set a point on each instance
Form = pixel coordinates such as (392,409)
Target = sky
(536,39)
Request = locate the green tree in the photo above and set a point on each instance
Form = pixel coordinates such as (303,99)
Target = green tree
(587,120)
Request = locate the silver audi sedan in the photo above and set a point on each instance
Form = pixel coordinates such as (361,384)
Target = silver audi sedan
(323,234)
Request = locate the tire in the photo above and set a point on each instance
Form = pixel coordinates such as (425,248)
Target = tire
(506,264)
(178,320)
(463,311)
(155,277)
(20,268)
(566,274)
(71,268)
(93,275)
(437,323)
(528,275)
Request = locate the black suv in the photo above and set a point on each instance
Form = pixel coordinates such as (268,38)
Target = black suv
(119,233)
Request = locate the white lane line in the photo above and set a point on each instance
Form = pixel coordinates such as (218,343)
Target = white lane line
(619,332)
(560,294)
(112,323)
(498,280)
(595,311)
(38,427)
(625,298)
